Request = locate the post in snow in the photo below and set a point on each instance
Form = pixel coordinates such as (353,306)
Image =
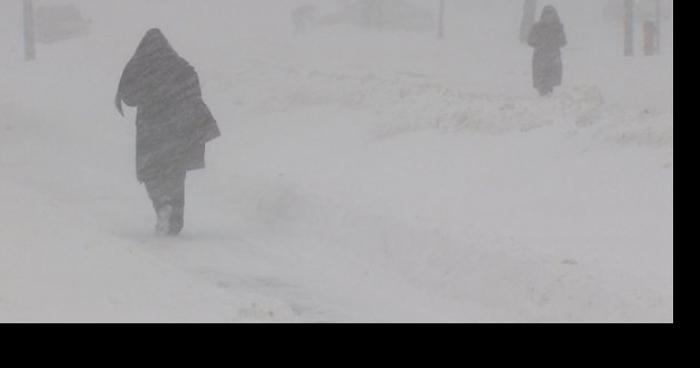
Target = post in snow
(658,27)
(29,43)
(441,20)
(629,27)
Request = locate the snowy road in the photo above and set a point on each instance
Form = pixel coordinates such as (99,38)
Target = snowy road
(318,220)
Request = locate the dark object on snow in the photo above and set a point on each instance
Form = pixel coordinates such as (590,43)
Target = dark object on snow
(548,38)
(173,123)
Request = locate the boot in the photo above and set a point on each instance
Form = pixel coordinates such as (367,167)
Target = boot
(164,215)
(176,221)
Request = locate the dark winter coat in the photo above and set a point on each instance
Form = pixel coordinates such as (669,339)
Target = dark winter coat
(173,123)
(548,38)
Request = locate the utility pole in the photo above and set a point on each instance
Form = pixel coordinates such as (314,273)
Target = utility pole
(441,20)
(629,27)
(658,26)
(29,46)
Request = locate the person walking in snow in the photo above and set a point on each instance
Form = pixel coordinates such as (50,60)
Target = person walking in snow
(548,38)
(173,125)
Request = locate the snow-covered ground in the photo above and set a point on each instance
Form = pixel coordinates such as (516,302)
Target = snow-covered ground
(361,176)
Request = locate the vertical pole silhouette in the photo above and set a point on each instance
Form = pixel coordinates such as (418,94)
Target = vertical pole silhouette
(529,19)
(658,27)
(629,27)
(29,45)
(441,20)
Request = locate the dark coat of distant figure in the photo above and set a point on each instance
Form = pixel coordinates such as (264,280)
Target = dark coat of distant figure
(173,124)
(548,38)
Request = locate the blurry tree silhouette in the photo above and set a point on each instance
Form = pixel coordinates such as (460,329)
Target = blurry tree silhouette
(529,18)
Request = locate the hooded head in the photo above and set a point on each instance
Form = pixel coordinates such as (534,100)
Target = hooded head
(154,46)
(550,15)
(153,60)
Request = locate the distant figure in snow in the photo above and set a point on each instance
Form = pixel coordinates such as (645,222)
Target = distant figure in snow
(173,124)
(303,17)
(548,38)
